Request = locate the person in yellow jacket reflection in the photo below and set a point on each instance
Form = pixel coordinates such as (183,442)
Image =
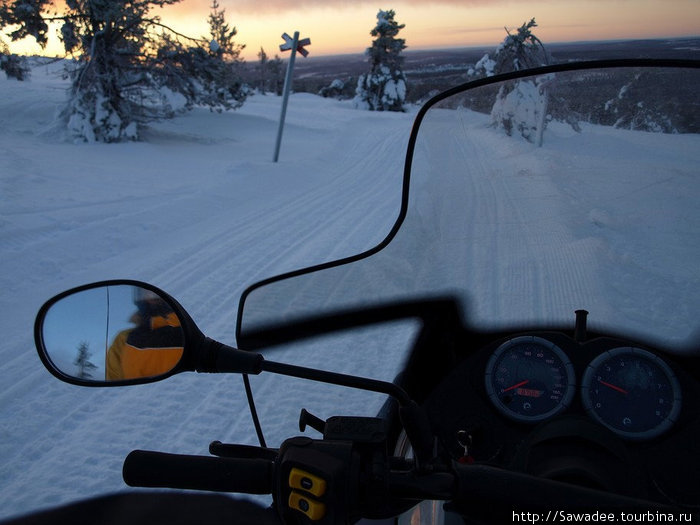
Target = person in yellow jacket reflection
(150,349)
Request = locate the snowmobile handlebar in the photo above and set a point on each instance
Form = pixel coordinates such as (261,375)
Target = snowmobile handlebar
(144,468)
(331,481)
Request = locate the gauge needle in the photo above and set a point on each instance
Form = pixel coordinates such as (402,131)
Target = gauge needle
(614,387)
(517,385)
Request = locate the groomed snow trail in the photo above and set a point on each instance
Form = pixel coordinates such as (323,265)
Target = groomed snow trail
(199,210)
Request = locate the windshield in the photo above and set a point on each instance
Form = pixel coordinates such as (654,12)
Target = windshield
(528,197)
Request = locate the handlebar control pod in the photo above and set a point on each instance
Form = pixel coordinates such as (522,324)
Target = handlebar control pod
(144,468)
(317,481)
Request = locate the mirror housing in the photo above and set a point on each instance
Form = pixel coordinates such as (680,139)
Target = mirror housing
(114,333)
(151,322)
(101,314)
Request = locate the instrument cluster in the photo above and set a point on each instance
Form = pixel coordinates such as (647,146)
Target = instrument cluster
(603,411)
(629,390)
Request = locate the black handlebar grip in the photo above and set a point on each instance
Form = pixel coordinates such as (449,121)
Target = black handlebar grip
(144,468)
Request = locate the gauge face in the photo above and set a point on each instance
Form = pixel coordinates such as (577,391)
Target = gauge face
(632,392)
(530,379)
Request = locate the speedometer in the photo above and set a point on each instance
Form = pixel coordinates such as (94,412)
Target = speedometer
(632,392)
(530,379)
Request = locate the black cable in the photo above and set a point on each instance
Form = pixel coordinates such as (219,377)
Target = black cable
(107,329)
(253,411)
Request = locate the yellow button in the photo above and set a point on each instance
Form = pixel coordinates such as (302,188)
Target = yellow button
(313,509)
(302,480)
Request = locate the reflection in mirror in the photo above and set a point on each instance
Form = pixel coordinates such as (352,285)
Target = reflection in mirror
(113,333)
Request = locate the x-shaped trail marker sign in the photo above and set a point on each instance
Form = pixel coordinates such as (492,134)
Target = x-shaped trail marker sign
(292,44)
(289,44)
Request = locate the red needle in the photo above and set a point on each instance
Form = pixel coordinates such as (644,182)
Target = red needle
(517,385)
(614,387)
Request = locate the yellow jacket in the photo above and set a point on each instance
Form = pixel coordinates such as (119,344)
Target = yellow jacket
(151,349)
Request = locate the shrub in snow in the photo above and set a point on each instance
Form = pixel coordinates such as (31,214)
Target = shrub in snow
(14,66)
(383,88)
(335,89)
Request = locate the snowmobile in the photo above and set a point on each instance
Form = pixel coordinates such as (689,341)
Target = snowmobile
(543,270)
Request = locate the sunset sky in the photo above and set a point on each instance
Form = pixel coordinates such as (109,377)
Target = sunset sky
(342,26)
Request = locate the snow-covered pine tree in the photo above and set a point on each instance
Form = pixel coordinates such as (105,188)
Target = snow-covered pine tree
(384,87)
(111,90)
(123,73)
(208,74)
(520,106)
(522,50)
(227,89)
(222,35)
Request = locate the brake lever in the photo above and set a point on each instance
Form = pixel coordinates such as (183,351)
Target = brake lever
(228,450)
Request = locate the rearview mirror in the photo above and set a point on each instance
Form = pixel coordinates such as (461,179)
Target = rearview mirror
(112,333)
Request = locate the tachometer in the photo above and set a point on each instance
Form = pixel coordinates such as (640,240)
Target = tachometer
(632,392)
(530,379)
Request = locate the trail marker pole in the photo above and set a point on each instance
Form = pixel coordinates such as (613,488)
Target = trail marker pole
(292,44)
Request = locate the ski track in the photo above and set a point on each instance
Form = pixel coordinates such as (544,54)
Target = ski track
(515,288)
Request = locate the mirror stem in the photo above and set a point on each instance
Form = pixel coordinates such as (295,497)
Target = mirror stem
(220,358)
(413,417)
(217,357)
(335,378)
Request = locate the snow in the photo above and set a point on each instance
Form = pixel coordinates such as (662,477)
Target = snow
(520,110)
(382,19)
(394,91)
(200,210)
(485,64)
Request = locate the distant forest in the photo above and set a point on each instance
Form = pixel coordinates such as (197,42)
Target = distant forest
(430,72)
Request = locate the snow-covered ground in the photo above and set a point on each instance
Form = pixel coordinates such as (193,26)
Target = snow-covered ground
(199,209)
